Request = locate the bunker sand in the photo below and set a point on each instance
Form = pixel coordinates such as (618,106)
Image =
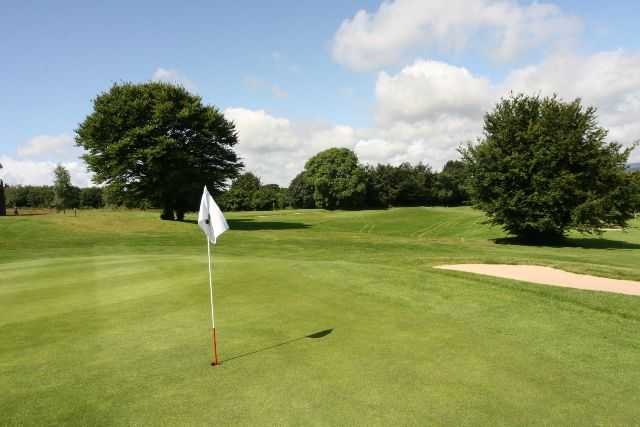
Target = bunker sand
(549,276)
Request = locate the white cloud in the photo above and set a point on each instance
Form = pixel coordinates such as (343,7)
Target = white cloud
(423,113)
(427,109)
(443,105)
(33,172)
(268,145)
(606,80)
(172,76)
(321,137)
(260,131)
(430,89)
(276,149)
(35,160)
(47,145)
(375,151)
(373,40)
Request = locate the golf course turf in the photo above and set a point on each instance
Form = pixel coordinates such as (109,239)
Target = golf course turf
(323,318)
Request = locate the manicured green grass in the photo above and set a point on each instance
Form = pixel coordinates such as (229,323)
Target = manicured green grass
(104,320)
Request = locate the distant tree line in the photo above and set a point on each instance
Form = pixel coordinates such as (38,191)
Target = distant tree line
(335,179)
(248,193)
(61,195)
(43,196)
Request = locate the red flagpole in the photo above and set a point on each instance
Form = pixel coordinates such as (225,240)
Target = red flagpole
(214,348)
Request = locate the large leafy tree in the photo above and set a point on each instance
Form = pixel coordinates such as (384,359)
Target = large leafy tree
(156,142)
(338,180)
(544,167)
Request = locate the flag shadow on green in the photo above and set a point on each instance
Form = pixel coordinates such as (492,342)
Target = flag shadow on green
(315,335)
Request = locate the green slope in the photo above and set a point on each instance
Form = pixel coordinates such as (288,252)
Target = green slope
(104,320)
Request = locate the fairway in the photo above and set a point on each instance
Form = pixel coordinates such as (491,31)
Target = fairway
(104,320)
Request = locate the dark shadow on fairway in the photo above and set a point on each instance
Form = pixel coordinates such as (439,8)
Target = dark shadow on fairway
(28,213)
(315,335)
(246,224)
(578,242)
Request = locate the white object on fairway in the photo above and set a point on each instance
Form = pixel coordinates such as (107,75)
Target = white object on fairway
(212,222)
(210,218)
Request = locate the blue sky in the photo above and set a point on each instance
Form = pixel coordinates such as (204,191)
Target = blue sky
(406,81)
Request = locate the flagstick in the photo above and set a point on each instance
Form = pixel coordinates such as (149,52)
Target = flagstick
(214,348)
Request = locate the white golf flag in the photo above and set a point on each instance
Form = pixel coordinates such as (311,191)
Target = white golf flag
(210,218)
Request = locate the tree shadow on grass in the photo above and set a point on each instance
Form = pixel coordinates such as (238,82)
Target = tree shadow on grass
(28,212)
(571,242)
(250,224)
(246,224)
(315,335)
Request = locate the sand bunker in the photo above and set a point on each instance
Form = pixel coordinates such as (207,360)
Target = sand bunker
(550,276)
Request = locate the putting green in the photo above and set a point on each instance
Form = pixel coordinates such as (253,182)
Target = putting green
(104,320)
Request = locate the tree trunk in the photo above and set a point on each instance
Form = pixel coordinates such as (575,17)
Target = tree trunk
(167,214)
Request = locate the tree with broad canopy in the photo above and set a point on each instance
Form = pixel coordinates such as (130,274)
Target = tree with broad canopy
(156,142)
(544,167)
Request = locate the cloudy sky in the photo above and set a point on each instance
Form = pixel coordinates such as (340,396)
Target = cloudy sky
(403,80)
